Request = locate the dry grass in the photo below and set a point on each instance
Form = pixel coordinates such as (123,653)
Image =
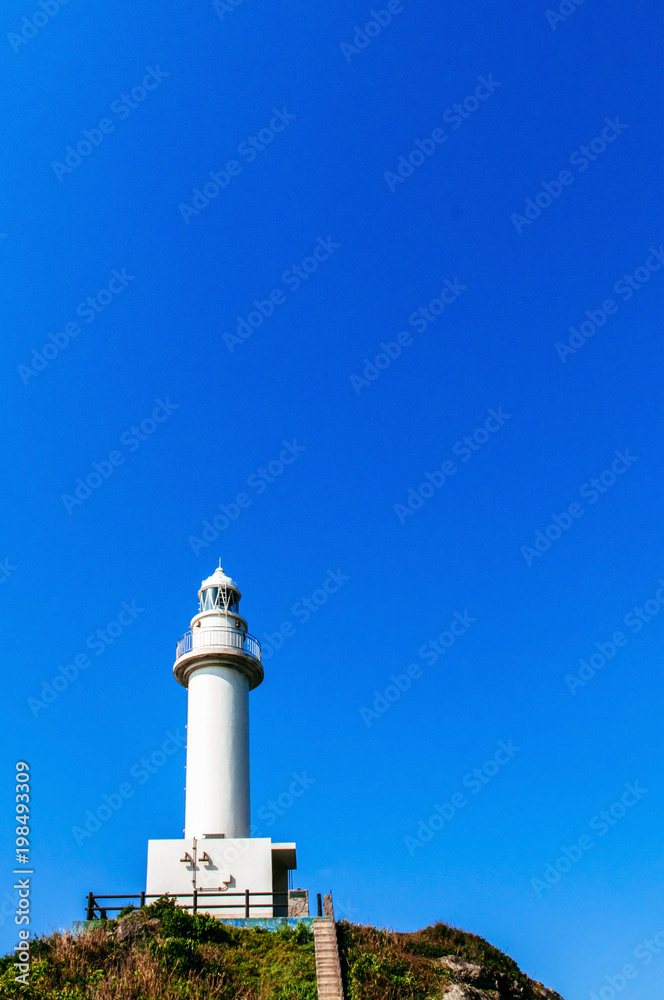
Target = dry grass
(166,955)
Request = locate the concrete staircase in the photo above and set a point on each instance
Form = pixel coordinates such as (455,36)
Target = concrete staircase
(328,971)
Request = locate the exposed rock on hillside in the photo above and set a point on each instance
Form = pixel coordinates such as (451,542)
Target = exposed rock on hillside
(471,981)
(434,963)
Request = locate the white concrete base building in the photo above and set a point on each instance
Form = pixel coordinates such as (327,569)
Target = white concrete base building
(217,862)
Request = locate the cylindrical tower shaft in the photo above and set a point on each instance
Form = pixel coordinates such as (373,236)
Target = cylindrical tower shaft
(217,798)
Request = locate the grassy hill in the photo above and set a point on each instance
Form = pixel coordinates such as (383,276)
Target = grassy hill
(164,953)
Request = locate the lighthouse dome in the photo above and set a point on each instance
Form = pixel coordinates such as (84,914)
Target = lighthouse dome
(220,592)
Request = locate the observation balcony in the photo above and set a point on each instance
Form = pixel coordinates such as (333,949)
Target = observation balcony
(239,649)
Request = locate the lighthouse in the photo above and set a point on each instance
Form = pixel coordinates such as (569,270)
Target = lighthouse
(218,866)
(219,663)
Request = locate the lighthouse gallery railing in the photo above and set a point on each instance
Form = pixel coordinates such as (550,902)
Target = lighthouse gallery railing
(221,637)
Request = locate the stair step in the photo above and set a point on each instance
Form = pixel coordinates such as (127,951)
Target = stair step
(328,972)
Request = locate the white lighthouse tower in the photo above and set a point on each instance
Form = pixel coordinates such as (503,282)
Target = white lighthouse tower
(219,663)
(218,863)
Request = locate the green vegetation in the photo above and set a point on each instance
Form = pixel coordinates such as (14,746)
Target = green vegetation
(387,965)
(164,953)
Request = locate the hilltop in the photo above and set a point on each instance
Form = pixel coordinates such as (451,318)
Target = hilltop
(164,953)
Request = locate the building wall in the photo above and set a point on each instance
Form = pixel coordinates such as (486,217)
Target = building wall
(235,865)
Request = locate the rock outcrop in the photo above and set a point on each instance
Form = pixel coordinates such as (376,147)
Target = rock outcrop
(471,981)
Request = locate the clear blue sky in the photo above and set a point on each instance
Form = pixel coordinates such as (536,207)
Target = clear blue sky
(333,125)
